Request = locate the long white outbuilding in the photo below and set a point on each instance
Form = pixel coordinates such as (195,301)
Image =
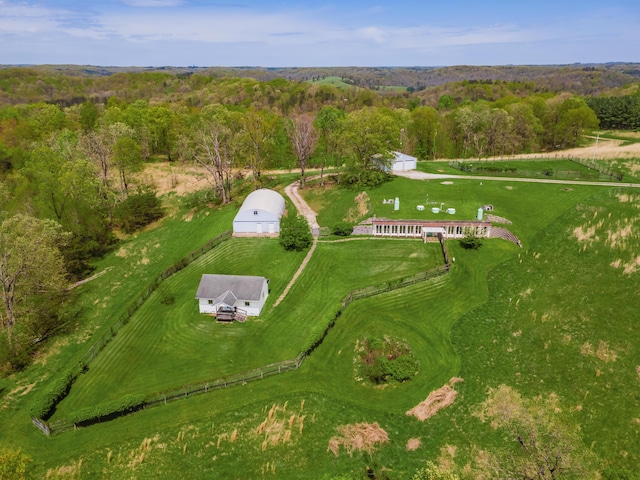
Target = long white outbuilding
(260,213)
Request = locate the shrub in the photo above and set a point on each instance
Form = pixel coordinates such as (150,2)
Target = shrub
(385,359)
(294,233)
(364,177)
(201,198)
(138,211)
(122,406)
(14,464)
(470,242)
(56,391)
(342,229)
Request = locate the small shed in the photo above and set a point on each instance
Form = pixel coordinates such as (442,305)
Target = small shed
(403,162)
(244,295)
(260,213)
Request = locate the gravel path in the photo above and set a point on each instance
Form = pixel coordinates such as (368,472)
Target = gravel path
(303,207)
(305,210)
(416,175)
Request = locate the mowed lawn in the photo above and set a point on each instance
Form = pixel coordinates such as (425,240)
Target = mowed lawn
(557,316)
(530,207)
(167,346)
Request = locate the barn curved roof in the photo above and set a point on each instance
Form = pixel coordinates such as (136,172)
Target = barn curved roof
(264,199)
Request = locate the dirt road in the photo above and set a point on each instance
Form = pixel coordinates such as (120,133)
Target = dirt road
(416,175)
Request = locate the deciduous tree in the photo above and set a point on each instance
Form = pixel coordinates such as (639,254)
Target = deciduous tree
(303,137)
(31,267)
(549,444)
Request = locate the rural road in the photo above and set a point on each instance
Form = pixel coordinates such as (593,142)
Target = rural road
(415,175)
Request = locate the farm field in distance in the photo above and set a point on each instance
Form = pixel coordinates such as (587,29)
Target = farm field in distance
(558,316)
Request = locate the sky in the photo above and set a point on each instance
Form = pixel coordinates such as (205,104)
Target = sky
(317,33)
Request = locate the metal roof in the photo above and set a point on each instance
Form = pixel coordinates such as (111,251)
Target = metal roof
(243,287)
(264,199)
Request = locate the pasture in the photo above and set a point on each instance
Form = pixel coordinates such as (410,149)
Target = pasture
(558,315)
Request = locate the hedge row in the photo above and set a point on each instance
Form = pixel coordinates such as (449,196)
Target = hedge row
(45,405)
(95,413)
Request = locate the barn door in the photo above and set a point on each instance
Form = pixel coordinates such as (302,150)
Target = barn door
(272,228)
(258,228)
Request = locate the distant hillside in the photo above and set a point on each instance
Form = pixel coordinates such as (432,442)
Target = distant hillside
(584,79)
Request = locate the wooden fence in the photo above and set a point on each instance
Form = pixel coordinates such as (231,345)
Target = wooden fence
(121,321)
(162,398)
(99,345)
(467,166)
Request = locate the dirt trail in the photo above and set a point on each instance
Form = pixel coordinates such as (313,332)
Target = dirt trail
(303,207)
(416,175)
(305,210)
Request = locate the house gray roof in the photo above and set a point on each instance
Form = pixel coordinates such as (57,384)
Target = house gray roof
(243,287)
(264,199)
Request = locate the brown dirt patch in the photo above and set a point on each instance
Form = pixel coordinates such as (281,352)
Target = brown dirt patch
(360,436)
(413,444)
(436,401)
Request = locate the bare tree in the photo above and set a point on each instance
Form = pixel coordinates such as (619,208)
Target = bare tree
(258,131)
(215,151)
(303,137)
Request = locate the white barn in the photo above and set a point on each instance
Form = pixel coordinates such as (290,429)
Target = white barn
(260,213)
(243,295)
(403,162)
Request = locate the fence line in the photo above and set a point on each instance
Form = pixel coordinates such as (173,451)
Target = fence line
(467,166)
(121,321)
(162,398)
(99,345)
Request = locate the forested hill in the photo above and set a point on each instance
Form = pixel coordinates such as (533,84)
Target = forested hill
(23,84)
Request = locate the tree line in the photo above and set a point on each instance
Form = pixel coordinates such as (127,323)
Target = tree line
(68,170)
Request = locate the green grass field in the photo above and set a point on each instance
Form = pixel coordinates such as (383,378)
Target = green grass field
(168,346)
(558,315)
(556,169)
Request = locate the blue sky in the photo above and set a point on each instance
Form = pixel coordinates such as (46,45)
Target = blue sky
(276,33)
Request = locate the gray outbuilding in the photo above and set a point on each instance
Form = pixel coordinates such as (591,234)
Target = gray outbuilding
(260,213)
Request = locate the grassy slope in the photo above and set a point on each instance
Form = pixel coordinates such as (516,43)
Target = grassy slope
(535,344)
(166,347)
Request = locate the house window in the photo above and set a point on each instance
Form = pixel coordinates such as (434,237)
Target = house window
(210,302)
(255,212)
(247,304)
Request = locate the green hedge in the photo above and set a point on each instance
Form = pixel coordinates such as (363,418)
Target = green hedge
(123,405)
(54,393)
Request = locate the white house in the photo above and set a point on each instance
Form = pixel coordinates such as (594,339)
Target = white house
(403,162)
(243,295)
(260,213)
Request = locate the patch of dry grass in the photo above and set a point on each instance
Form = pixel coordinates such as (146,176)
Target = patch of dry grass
(604,352)
(436,401)
(361,209)
(360,436)
(279,426)
(413,444)
(67,472)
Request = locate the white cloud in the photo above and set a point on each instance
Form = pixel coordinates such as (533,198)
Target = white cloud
(294,37)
